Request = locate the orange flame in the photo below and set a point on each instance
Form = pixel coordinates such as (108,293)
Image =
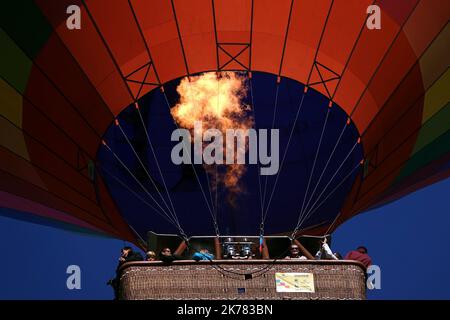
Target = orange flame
(216,99)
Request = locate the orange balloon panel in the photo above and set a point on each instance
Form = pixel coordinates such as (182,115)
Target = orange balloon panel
(305,29)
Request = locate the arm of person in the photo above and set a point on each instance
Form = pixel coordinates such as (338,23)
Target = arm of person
(328,251)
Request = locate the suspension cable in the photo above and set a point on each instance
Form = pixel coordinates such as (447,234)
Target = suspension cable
(135,178)
(261,227)
(300,105)
(123,184)
(273,124)
(329,195)
(316,156)
(156,160)
(193,168)
(327,163)
(334,175)
(332,224)
(145,169)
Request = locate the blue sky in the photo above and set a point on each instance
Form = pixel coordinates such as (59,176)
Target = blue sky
(408,239)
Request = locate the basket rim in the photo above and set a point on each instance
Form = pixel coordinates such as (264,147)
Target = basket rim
(127,265)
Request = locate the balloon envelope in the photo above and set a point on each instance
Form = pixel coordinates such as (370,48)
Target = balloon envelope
(61,91)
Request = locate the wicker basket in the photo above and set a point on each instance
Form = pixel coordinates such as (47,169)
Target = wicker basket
(249,279)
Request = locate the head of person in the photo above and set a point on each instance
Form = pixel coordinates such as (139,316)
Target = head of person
(151,256)
(362,249)
(166,252)
(294,251)
(126,251)
(204,250)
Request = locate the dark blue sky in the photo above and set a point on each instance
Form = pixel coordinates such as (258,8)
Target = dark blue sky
(408,239)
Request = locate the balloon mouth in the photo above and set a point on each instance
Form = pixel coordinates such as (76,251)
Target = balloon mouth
(319,157)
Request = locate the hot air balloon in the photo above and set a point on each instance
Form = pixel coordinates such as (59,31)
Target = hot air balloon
(87,113)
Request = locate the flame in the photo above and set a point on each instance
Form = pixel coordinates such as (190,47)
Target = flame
(216,99)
